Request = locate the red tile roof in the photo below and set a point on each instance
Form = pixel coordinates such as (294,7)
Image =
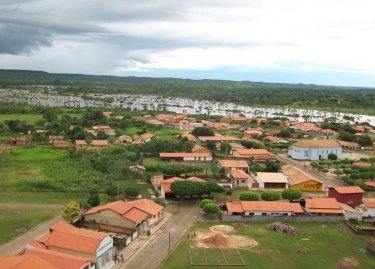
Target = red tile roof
(81,142)
(166,184)
(147,136)
(96,143)
(136,211)
(66,236)
(318,143)
(233,163)
(370,183)
(238,174)
(218,138)
(349,189)
(184,154)
(25,262)
(323,205)
(59,259)
(263,206)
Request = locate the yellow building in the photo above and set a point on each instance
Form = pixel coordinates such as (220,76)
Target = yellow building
(299,180)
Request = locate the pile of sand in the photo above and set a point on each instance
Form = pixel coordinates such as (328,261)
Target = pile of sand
(218,239)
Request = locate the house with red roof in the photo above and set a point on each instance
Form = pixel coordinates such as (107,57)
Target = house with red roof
(25,262)
(323,206)
(257,155)
(263,208)
(238,164)
(350,195)
(241,179)
(99,143)
(165,185)
(146,137)
(368,208)
(125,217)
(66,238)
(186,156)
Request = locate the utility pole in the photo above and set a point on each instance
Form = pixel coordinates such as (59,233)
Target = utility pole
(169,244)
(118,191)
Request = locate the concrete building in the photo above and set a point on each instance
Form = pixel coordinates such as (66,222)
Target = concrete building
(314,150)
(300,180)
(271,180)
(66,238)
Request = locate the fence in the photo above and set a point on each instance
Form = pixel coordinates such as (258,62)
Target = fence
(283,218)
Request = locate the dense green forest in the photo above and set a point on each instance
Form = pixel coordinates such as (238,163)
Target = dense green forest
(345,99)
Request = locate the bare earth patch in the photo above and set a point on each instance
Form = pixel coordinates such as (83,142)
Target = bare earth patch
(218,238)
(347,263)
(222,229)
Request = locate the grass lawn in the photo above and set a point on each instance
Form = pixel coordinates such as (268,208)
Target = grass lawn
(11,220)
(162,133)
(158,161)
(316,245)
(31,169)
(41,197)
(29,118)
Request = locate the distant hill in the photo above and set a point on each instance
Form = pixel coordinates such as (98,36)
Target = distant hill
(349,99)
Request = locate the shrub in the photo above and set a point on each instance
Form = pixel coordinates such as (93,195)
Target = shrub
(249,196)
(70,211)
(332,156)
(211,208)
(291,194)
(205,202)
(131,192)
(270,196)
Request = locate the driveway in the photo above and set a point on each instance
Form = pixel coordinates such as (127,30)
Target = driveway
(156,250)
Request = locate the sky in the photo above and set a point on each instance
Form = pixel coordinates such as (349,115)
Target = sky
(329,42)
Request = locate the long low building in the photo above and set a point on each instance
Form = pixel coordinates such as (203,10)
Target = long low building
(238,164)
(186,156)
(271,180)
(205,139)
(258,155)
(263,208)
(314,150)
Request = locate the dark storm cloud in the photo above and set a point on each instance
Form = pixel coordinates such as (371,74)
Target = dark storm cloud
(16,39)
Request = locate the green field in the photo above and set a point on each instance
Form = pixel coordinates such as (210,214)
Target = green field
(41,168)
(162,133)
(29,118)
(316,245)
(13,219)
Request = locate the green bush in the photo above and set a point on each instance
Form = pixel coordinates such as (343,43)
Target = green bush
(211,208)
(205,202)
(270,196)
(249,196)
(291,194)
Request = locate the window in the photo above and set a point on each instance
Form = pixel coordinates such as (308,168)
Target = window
(264,214)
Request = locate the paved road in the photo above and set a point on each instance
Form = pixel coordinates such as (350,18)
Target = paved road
(308,170)
(153,253)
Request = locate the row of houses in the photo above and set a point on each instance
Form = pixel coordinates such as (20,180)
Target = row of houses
(67,246)
(320,206)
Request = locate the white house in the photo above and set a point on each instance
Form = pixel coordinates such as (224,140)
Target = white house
(368,209)
(271,180)
(314,149)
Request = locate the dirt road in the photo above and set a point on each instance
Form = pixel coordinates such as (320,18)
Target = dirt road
(153,253)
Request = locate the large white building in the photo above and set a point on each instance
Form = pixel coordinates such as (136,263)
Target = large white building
(314,149)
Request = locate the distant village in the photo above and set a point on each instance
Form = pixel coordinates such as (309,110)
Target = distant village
(267,170)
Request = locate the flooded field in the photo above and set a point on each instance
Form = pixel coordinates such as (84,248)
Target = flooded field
(48,97)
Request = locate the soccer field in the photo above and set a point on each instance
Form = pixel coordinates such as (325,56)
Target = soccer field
(215,257)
